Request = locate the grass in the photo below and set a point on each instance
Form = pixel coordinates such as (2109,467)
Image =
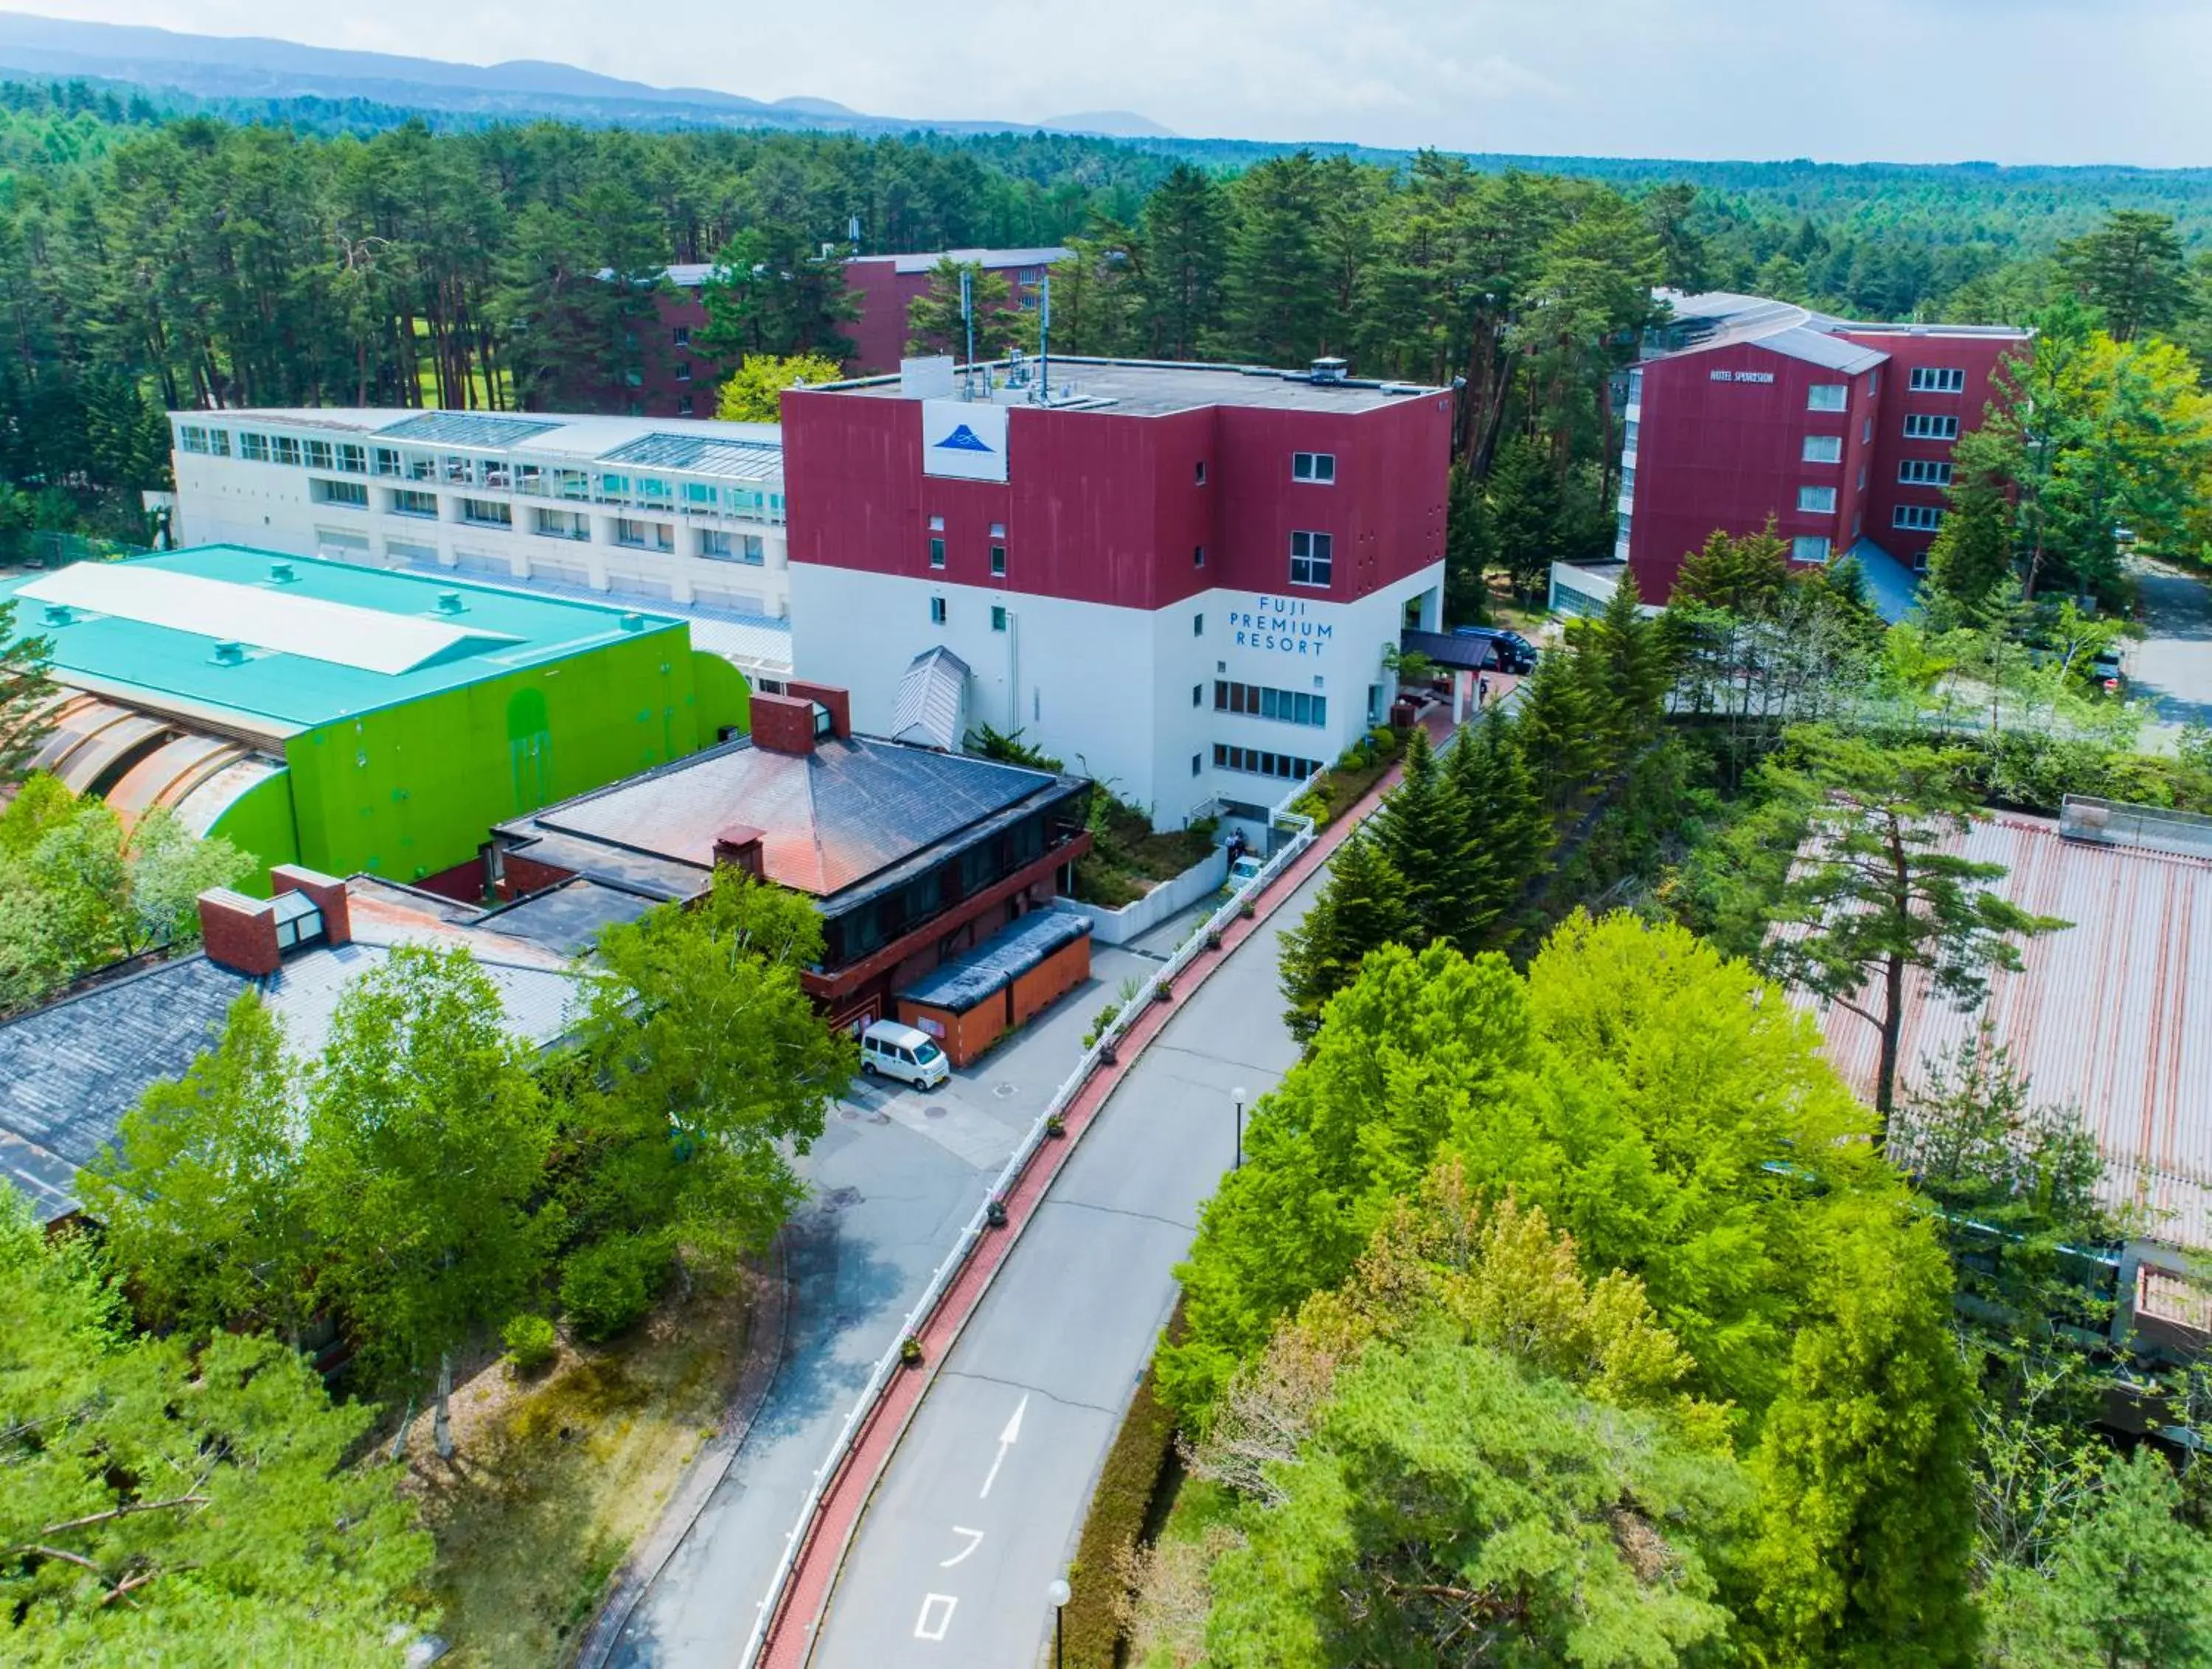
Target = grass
(1128,858)
(554,1478)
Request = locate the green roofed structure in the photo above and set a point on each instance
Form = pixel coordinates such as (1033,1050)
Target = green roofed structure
(350,718)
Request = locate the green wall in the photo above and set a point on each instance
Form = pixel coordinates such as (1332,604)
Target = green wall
(407,790)
(259,822)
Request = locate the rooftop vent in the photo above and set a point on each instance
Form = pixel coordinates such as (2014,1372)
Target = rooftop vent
(450,603)
(282,573)
(633,622)
(1328,370)
(230,654)
(60,614)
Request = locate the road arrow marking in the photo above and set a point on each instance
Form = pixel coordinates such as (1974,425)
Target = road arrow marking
(1007,1439)
(974,1541)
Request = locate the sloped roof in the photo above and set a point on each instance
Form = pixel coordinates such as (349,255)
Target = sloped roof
(960,983)
(932,700)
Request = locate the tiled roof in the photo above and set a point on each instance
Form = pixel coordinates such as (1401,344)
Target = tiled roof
(991,967)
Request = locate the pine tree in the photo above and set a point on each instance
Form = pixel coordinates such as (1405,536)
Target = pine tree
(1556,730)
(1422,829)
(1273,293)
(1470,549)
(1506,824)
(1364,906)
(1180,286)
(1526,513)
(1973,550)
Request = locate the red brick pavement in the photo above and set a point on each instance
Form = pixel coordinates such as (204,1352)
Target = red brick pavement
(791,1628)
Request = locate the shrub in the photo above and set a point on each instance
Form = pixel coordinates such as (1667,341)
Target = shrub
(609,1284)
(530,1342)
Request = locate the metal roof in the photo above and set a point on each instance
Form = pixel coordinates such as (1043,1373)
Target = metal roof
(2113,1015)
(1835,352)
(467,428)
(960,983)
(930,703)
(1153,388)
(702,455)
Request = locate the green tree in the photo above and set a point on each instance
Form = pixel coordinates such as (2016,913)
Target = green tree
(935,324)
(1274,287)
(1422,832)
(753,393)
(1506,821)
(1557,731)
(2131,269)
(1624,658)
(773,293)
(1180,287)
(24,659)
(1974,548)
(1362,907)
(1525,514)
(426,1140)
(1470,549)
(1746,577)
(158,1506)
(704,1065)
(203,1198)
(1856,842)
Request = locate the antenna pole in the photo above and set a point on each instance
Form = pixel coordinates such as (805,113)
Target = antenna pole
(1044,342)
(968,317)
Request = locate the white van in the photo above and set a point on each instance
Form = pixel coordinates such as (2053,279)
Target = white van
(901,1052)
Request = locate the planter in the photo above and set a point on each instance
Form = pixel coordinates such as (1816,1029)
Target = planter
(1164,992)
(910,1351)
(994,1214)
(1055,1126)
(1246,910)
(1213,938)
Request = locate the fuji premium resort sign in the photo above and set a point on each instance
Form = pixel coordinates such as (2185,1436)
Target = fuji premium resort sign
(1281,626)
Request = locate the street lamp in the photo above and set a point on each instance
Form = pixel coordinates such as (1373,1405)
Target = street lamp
(1238,1092)
(1058,1594)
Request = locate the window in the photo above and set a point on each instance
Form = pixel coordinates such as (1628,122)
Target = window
(318,454)
(406,501)
(287,450)
(1827,397)
(1314,466)
(998,616)
(253,448)
(937,524)
(1936,379)
(219,442)
(1817,500)
(684,407)
(1261,762)
(342,492)
(1201,472)
(1918,517)
(564,524)
(1862,477)
(488,512)
(1312,558)
(1194,763)
(756,551)
(1198,625)
(1923,472)
(387,461)
(1823,449)
(1808,548)
(1925,426)
(1866,433)
(937,553)
(683,370)
(681,336)
(1874,384)
(937,611)
(192,438)
(1197,694)
(998,531)
(631,531)
(1291,706)
(1198,556)
(714,542)
(1635,387)
(998,562)
(352,458)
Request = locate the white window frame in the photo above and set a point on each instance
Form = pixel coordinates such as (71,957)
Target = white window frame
(1923,471)
(1931,426)
(1828,397)
(1938,380)
(1811,547)
(1317,559)
(1316,468)
(1816,501)
(1917,517)
(1823,449)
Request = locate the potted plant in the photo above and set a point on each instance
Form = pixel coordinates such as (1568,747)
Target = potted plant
(910,1350)
(994,1214)
(1213,938)
(1055,1126)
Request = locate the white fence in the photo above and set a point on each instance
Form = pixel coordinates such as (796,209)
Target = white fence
(888,1365)
(1133,920)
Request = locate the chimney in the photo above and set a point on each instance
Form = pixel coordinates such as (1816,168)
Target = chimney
(329,894)
(838,701)
(783,724)
(238,932)
(740,846)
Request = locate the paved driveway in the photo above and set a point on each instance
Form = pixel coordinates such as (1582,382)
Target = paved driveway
(895,1176)
(2171,668)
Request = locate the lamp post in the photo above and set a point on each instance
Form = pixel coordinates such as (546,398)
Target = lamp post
(1238,1092)
(1058,1593)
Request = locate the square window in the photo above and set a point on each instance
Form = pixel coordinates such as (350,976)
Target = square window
(999,562)
(682,336)
(1827,397)
(998,617)
(1817,500)
(937,611)
(1312,559)
(937,553)
(937,524)
(1808,548)
(1823,449)
(684,406)
(998,529)
(1317,467)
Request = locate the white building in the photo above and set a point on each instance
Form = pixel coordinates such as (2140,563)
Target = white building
(687,513)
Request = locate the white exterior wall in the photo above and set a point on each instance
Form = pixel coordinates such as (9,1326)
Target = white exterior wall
(1109,690)
(274,507)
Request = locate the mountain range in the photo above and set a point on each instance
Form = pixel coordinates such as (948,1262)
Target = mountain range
(252,67)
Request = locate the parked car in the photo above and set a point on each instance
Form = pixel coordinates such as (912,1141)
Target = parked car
(2105,670)
(1245,868)
(890,1050)
(1509,651)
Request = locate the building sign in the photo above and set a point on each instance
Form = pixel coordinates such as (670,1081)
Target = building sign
(1743,376)
(1280,626)
(965,439)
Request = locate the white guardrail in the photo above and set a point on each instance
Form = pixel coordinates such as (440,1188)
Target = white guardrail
(888,1366)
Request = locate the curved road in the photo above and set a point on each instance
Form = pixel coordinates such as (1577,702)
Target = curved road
(2172,667)
(984,1499)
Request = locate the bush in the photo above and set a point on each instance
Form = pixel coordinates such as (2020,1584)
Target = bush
(609,1284)
(530,1343)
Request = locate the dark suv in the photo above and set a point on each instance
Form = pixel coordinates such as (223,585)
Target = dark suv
(1509,651)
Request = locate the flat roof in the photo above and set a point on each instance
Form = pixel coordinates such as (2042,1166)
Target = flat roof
(850,810)
(690,275)
(563,437)
(1724,319)
(1156,388)
(273,645)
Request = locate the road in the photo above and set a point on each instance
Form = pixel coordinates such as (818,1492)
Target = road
(984,1501)
(2173,667)
(894,1178)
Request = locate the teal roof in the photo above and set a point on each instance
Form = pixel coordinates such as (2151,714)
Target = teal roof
(281,644)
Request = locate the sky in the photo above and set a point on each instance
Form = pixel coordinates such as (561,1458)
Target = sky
(2004,81)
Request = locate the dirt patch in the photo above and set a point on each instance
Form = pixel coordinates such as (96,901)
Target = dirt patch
(553,1477)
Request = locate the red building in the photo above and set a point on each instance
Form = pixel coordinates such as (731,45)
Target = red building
(1744,410)
(670,377)
(1180,578)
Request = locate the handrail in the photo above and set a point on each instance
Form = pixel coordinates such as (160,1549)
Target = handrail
(1301,835)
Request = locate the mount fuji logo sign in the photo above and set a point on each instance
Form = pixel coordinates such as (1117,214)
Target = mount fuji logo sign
(965,439)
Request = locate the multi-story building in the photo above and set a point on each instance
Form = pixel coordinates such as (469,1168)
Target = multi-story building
(1742,409)
(673,377)
(1181,580)
(688,513)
